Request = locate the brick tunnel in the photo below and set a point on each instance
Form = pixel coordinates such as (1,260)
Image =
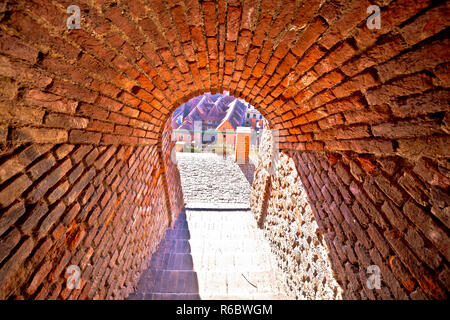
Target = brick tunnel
(85,171)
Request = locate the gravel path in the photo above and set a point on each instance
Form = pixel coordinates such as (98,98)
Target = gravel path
(208,179)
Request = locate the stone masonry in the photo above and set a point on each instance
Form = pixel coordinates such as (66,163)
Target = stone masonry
(281,208)
(85,171)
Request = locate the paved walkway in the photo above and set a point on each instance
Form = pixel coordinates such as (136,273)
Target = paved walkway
(214,251)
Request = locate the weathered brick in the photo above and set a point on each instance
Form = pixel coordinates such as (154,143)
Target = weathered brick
(51,218)
(394,215)
(80,185)
(41,167)
(39,135)
(12,265)
(23,115)
(18,48)
(368,206)
(58,192)
(390,189)
(50,180)
(78,136)
(415,188)
(14,190)
(430,229)
(406,129)
(50,101)
(424,252)
(63,150)
(58,269)
(378,240)
(412,106)
(39,277)
(8,243)
(413,265)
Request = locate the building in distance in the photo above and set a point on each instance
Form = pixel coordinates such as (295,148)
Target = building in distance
(208,117)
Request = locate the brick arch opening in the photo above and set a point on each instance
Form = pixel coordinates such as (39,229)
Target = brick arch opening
(184,99)
(363,112)
(166,146)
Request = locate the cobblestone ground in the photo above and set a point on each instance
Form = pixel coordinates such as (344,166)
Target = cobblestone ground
(213,251)
(207,178)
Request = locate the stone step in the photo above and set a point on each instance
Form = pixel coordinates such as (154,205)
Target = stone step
(214,234)
(168,281)
(196,296)
(199,226)
(174,246)
(172,261)
(212,255)
(233,246)
(239,283)
(175,234)
(164,296)
(231,261)
(204,206)
(210,282)
(257,296)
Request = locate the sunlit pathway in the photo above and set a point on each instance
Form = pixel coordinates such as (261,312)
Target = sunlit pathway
(214,251)
(208,179)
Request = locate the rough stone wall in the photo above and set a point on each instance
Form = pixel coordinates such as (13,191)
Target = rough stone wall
(280,205)
(384,211)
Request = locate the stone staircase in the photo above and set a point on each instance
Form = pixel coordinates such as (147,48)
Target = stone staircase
(212,255)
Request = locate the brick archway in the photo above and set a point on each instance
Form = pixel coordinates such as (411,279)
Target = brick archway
(82,112)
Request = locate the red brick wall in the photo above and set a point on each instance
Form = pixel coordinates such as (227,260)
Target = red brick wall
(171,173)
(384,211)
(312,68)
(100,208)
(308,66)
(369,210)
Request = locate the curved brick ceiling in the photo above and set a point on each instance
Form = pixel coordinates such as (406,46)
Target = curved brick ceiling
(85,172)
(313,69)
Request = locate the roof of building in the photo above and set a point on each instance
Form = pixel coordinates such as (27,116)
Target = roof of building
(209,108)
(235,114)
